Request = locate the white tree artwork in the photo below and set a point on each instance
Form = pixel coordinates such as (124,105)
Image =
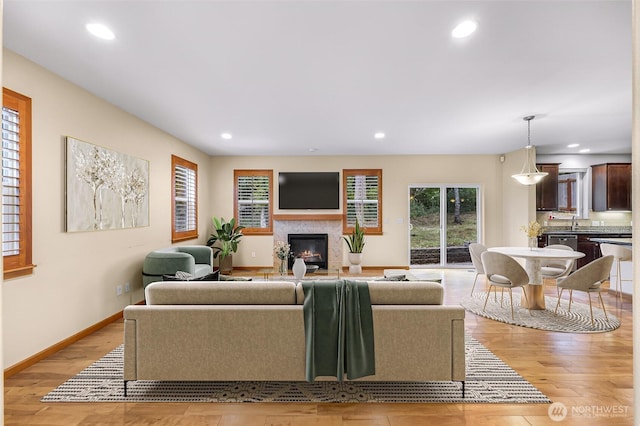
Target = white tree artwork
(105,189)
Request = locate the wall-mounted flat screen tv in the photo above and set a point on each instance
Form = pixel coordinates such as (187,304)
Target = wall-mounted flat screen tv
(309,190)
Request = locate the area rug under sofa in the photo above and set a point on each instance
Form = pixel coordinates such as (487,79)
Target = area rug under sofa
(489,380)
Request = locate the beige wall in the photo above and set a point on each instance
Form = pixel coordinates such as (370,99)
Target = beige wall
(74,283)
(391,248)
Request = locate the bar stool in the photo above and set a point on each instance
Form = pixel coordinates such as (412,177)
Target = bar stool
(620,253)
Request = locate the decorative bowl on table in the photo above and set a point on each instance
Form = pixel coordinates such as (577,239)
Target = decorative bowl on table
(312,268)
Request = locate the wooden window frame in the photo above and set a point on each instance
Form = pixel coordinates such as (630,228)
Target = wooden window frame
(177,236)
(21,264)
(346,229)
(567,184)
(241,173)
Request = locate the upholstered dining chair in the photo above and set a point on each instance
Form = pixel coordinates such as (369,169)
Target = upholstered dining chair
(476,250)
(505,272)
(620,254)
(589,279)
(557,268)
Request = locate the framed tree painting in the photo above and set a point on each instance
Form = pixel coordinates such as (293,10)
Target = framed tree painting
(105,189)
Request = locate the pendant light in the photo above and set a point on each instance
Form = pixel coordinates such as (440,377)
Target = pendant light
(529,175)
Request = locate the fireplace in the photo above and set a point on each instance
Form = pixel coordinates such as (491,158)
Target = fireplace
(312,248)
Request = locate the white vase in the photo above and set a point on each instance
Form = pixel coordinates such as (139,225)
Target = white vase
(299,268)
(355,259)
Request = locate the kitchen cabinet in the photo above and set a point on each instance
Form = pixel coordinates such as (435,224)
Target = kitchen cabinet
(591,250)
(611,187)
(547,188)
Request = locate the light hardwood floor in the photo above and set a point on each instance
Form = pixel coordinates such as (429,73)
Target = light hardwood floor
(586,372)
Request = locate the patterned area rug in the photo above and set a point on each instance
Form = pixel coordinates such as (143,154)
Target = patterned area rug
(576,321)
(489,380)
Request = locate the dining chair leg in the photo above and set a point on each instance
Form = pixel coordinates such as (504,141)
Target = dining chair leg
(511,299)
(486,299)
(590,308)
(474,283)
(570,299)
(558,304)
(603,308)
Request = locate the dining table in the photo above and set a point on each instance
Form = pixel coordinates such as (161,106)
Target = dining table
(533,257)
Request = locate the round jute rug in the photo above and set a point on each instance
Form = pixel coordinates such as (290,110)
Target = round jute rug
(576,321)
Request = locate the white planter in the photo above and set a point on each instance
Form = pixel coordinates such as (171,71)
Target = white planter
(355,259)
(299,268)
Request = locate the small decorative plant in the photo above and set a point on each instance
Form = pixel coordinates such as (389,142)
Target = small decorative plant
(227,234)
(282,251)
(355,241)
(533,229)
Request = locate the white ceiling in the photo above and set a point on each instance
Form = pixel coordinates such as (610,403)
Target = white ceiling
(285,77)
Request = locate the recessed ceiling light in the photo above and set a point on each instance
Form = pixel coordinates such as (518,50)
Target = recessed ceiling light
(379,135)
(464,29)
(226,135)
(100,31)
(313,149)
(584,151)
(573,145)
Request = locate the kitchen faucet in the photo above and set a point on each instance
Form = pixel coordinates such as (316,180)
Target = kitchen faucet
(574,223)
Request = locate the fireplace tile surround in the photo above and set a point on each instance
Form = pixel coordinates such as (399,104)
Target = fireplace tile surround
(284,226)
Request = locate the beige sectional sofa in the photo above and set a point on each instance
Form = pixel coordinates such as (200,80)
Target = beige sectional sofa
(254,331)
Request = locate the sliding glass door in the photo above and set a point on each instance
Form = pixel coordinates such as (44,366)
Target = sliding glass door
(443,221)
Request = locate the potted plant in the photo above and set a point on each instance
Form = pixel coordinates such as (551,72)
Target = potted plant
(355,242)
(228,235)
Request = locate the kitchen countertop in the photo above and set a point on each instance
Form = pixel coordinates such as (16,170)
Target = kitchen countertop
(614,230)
(621,241)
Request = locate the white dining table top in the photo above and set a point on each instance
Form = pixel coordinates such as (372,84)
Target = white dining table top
(538,253)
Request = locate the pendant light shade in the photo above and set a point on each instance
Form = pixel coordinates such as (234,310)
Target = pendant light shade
(529,175)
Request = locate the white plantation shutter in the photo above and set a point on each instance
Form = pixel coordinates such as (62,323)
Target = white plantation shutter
(253,200)
(184,199)
(362,198)
(10,182)
(16,185)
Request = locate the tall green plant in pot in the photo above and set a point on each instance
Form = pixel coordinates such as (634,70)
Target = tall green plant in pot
(224,241)
(355,242)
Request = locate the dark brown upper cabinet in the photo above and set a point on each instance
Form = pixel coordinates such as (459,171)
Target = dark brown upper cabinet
(547,188)
(611,187)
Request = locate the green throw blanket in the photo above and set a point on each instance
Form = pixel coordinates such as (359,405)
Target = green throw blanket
(338,329)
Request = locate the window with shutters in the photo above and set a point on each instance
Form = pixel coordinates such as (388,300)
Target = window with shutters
(16,184)
(253,191)
(184,197)
(362,199)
